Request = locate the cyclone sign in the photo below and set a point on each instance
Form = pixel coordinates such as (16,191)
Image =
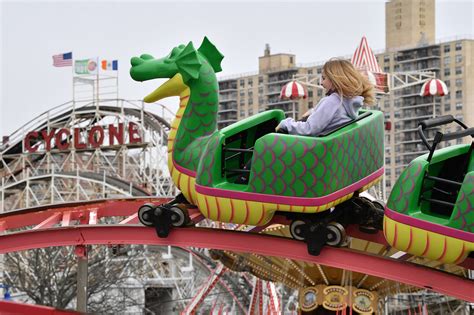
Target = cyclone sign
(81,138)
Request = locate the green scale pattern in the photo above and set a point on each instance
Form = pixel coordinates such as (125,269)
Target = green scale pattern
(405,194)
(463,214)
(207,166)
(314,167)
(199,119)
(401,197)
(298,166)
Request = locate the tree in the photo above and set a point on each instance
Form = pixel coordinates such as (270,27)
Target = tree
(48,276)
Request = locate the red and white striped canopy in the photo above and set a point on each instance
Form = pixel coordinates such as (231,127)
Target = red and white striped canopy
(293,90)
(434,87)
(364,58)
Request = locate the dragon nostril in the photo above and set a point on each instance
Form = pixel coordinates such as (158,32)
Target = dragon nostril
(136,61)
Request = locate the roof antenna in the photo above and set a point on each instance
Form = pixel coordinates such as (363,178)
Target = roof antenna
(267,50)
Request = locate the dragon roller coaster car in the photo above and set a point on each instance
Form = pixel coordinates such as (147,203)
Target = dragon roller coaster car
(245,173)
(430,212)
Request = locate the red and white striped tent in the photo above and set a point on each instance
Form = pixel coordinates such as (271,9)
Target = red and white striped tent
(434,87)
(293,90)
(364,58)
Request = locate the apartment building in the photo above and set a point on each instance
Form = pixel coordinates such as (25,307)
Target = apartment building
(452,61)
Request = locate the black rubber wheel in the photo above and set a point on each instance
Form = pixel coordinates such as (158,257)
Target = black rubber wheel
(145,214)
(336,234)
(296,230)
(179,217)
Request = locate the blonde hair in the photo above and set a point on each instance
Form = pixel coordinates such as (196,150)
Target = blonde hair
(347,81)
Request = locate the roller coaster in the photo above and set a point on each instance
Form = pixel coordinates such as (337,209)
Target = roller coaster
(89,193)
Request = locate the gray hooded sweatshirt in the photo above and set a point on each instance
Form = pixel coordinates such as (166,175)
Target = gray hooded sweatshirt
(326,116)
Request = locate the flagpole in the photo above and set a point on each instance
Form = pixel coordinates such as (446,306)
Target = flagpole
(73,88)
(117,78)
(98,69)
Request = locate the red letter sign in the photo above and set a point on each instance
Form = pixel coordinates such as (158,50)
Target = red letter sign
(27,141)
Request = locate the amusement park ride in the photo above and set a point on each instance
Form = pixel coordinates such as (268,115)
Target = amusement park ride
(288,209)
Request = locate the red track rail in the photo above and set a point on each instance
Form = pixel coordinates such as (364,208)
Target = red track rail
(52,227)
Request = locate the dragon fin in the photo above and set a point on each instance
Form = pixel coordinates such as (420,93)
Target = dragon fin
(213,55)
(188,63)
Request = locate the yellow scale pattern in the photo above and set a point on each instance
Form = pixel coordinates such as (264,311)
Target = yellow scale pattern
(256,213)
(227,209)
(419,242)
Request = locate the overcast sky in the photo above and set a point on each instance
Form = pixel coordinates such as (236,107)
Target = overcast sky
(33,31)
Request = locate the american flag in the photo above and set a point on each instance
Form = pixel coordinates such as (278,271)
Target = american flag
(63,60)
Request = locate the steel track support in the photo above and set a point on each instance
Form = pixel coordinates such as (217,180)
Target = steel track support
(205,290)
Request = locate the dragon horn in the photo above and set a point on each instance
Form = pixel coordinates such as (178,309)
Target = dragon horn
(211,53)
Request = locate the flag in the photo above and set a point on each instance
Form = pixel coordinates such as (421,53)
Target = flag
(85,66)
(62,60)
(110,64)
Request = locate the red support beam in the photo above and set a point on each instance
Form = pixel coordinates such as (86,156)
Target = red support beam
(49,222)
(382,267)
(194,304)
(9,307)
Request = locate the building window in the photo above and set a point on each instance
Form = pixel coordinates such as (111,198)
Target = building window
(447,72)
(448,83)
(458,58)
(310,104)
(310,71)
(260,80)
(458,94)
(310,93)
(386,69)
(458,70)
(458,46)
(447,106)
(447,60)
(386,58)
(242,113)
(459,106)
(250,82)
(458,82)
(242,83)
(242,102)
(291,60)
(251,101)
(250,111)
(320,93)
(387,160)
(242,94)
(447,48)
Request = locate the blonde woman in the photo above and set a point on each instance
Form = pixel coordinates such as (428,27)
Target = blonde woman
(347,89)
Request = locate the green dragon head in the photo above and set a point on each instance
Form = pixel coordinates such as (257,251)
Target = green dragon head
(182,65)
